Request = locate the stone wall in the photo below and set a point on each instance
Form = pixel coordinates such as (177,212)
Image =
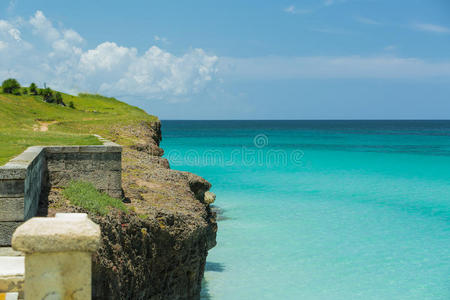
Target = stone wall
(100,165)
(24,179)
(21,183)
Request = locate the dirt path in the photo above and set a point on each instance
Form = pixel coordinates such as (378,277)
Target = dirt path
(43,126)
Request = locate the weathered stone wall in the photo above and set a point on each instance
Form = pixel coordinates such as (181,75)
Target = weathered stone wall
(24,179)
(21,183)
(100,165)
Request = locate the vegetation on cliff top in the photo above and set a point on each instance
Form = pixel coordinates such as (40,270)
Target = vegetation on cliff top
(26,120)
(85,195)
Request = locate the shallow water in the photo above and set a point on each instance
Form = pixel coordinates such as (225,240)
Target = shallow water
(323,209)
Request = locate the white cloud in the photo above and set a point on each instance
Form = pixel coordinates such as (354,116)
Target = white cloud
(295,11)
(279,68)
(73,36)
(8,31)
(59,59)
(160,73)
(106,57)
(431,28)
(367,21)
(43,27)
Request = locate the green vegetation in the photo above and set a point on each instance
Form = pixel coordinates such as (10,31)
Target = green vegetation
(33,88)
(85,195)
(11,86)
(27,120)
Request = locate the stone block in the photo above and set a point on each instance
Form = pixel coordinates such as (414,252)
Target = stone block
(12,209)
(67,232)
(12,188)
(114,180)
(56,165)
(62,149)
(13,171)
(26,157)
(58,260)
(60,179)
(6,232)
(93,149)
(44,278)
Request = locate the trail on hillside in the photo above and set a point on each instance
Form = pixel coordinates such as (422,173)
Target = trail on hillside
(43,126)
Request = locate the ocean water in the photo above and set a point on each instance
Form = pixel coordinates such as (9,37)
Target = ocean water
(323,209)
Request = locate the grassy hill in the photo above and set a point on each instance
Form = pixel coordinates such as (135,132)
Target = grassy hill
(27,120)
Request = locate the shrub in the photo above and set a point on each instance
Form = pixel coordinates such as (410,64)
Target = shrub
(59,99)
(33,88)
(85,195)
(10,86)
(71,105)
(47,93)
(25,91)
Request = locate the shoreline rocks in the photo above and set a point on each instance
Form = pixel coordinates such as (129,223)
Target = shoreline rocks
(159,249)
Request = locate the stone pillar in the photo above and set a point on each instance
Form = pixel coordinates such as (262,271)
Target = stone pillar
(58,256)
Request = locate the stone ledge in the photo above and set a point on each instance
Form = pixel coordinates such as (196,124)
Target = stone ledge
(66,232)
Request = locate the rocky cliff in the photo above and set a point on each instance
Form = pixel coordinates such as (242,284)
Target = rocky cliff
(158,250)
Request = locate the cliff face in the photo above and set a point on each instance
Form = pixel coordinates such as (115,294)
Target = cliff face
(158,251)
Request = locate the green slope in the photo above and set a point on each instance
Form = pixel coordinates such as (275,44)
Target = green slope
(22,119)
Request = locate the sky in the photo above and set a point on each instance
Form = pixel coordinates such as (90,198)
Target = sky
(234,59)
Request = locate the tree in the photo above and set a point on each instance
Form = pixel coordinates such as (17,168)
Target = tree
(59,99)
(47,93)
(11,86)
(71,105)
(25,91)
(33,88)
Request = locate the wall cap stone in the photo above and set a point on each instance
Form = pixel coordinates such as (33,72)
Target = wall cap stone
(64,233)
(17,167)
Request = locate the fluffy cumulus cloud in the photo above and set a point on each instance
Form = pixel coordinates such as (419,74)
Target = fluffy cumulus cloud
(58,57)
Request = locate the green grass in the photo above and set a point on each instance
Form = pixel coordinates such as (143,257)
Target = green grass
(93,114)
(85,195)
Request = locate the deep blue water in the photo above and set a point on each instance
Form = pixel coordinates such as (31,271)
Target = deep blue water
(323,209)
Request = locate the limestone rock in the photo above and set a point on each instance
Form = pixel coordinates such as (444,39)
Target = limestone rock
(210,197)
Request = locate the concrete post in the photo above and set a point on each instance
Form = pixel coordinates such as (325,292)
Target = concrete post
(58,256)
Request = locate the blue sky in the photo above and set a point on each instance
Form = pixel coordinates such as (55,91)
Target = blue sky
(341,59)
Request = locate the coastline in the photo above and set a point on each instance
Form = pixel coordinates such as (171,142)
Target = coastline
(159,249)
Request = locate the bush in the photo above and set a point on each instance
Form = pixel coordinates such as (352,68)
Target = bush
(47,93)
(25,91)
(85,195)
(11,86)
(59,99)
(33,88)
(71,105)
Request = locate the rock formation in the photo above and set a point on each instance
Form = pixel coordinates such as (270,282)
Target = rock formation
(158,250)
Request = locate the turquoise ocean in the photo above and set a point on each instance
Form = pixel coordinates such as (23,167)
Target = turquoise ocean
(323,209)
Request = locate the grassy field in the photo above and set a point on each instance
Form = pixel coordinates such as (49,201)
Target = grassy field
(27,120)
